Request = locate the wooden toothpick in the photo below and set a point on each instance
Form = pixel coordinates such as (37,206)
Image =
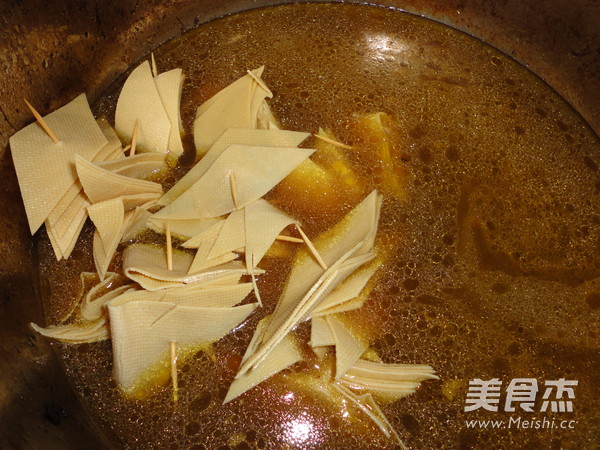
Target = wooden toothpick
(312,248)
(174,380)
(259,81)
(134,138)
(154,68)
(332,141)
(169,245)
(233,189)
(254,285)
(284,238)
(42,122)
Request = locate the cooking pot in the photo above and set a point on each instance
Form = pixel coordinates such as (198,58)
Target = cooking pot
(51,51)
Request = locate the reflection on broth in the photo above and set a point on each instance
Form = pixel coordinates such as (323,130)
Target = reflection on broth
(491,242)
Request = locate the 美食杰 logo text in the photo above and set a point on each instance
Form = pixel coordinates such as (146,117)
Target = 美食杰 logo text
(522,395)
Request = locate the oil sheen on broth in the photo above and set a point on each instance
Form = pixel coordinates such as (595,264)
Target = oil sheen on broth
(497,270)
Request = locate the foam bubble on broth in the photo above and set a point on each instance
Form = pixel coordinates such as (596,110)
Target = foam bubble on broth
(498,242)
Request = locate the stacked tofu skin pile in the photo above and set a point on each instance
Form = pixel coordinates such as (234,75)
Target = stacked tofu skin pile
(182,298)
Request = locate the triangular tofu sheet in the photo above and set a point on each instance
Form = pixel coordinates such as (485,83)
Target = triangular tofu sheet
(141,333)
(76,190)
(350,305)
(113,149)
(336,246)
(44,169)
(58,253)
(347,291)
(63,246)
(263,223)
(109,219)
(231,236)
(136,166)
(65,230)
(183,229)
(320,333)
(348,349)
(286,353)
(281,325)
(80,333)
(206,237)
(102,258)
(242,136)
(170,86)
(398,379)
(143,200)
(139,100)
(339,272)
(137,223)
(256,337)
(256,170)
(202,261)
(252,229)
(235,106)
(68,226)
(67,214)
(146,264)
(74,198)
(63,236)
(100,184)
(246,82)
(67,208)
(343,249)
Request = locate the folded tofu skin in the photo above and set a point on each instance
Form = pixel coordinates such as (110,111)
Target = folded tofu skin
(181,266)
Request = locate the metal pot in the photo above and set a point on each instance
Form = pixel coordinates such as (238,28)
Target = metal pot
(51,51)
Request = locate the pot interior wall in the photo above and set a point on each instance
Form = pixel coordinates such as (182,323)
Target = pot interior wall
(51,52)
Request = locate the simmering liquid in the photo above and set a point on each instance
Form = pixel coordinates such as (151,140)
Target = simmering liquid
(495,263)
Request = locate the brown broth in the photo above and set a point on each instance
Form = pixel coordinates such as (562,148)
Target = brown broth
(497,269)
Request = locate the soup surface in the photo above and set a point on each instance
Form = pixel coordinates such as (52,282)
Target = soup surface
(494,270)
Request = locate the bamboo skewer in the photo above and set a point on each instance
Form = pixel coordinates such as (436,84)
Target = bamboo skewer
(169,245)
(254,285)
(42,122)
(233,189)
(154,68)
(174,380)
(134,138)
(312,248)
(333,142)
(284,238)
(259,81)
